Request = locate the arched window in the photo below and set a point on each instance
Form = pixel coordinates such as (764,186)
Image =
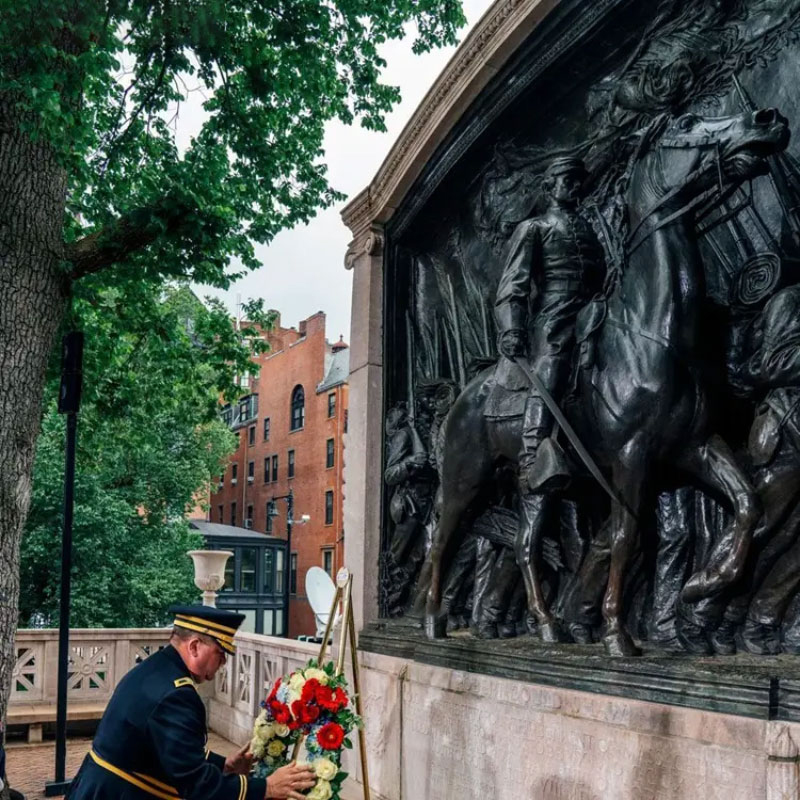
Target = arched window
(298,408)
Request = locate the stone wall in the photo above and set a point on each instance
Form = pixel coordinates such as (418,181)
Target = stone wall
(443,734)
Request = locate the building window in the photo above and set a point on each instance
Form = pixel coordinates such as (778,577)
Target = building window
(274,468)
(293,574)
(329,507)
(233,513)
(234,473)
(269,517)
(244,381)
(230,573)
(332,404)
(220,513)
(298,408)
(250,515)
(269,570)
(251,471)
(329,453)
(247,571)
(266,470)
(251,435)
(227,415)
(266,429)
(244,410)
(327,561)
(279,559)
(290,464)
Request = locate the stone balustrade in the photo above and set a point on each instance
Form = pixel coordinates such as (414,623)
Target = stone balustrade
(246,679)
(99,657)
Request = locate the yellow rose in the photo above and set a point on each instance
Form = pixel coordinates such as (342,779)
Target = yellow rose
(325,769)
(280,730)
(322,791)
(319,674)
(275,747)
(257,748)
(297,682)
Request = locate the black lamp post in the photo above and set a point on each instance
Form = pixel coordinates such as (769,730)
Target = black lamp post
(289,498)
(69,400)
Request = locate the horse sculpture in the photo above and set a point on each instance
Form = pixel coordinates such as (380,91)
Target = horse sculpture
(641,407)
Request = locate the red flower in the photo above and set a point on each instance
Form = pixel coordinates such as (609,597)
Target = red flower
(309,713)
(280,712)
(271,696)
(330,736)
(297,709)
(310,690)
(326,698)
(341,699)
(293,724)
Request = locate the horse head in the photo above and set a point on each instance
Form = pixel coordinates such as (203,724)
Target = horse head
(687,160)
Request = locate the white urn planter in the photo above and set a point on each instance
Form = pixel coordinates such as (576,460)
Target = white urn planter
(209,572)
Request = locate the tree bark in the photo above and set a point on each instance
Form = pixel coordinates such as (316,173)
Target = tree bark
(33,298)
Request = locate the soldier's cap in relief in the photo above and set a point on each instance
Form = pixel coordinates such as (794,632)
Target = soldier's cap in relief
(217,623)
(563,165)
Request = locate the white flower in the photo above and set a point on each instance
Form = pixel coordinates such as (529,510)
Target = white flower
(322,791)
(292,697)
(319,674)
(297,682)
(325,768)
(275,748)
(279,729)
(257,748)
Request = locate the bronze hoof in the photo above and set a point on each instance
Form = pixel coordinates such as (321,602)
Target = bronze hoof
(620,645)
(551,633)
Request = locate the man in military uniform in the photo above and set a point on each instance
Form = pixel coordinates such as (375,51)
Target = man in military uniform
(151,741)
(555,265)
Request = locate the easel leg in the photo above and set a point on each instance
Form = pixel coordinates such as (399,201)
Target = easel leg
(362,734)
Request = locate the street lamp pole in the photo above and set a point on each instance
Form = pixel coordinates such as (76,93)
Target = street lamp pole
(286,587)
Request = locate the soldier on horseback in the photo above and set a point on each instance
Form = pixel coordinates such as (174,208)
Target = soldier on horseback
(555,264)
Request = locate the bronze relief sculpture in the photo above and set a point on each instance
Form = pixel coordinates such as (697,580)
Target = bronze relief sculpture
(593,404)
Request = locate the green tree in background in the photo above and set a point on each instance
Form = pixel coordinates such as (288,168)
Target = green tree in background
(150,443)
(94,187)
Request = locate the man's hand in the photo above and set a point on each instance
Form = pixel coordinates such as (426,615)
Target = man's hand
(512,344)
(240,762)
(289,781)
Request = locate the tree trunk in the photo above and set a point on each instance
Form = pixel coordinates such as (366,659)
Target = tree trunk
(33,295)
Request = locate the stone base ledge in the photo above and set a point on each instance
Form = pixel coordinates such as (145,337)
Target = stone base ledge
(761,687)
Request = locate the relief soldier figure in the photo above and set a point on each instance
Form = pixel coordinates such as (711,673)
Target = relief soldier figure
(555,265)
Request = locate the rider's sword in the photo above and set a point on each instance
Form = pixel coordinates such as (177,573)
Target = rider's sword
(569,431)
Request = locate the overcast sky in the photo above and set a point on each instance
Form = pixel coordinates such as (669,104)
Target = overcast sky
(303,269)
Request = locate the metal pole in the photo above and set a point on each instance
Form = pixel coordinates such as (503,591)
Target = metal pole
(289,521)
(69,402)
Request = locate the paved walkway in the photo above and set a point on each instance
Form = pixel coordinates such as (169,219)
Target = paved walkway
(30,766)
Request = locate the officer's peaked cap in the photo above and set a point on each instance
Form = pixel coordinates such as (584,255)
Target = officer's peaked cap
(214,622)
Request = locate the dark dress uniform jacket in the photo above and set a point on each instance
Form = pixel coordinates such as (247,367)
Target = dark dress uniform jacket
(151,742)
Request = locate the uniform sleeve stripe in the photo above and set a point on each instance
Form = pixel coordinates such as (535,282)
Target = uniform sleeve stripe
(158,784)
(243,790)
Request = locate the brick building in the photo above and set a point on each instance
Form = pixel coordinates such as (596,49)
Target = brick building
(291,425)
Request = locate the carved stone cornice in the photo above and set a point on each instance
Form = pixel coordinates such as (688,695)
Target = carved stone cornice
(486,49)
(368,243)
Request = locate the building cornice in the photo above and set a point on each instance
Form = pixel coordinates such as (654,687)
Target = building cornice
(490,44)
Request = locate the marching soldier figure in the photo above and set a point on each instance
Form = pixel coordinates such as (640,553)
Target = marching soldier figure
(555,265)
(151,741)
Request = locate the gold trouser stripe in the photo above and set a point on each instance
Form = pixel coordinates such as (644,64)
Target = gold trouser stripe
(208,623)
(208,753)
(140,784)
(208,631)
(243,790)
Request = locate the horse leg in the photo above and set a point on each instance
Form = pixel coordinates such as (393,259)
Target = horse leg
(714,466)
(535,510)
(629,480)
(463,474)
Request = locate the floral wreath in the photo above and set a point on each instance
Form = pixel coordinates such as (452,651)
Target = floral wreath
(311,704)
